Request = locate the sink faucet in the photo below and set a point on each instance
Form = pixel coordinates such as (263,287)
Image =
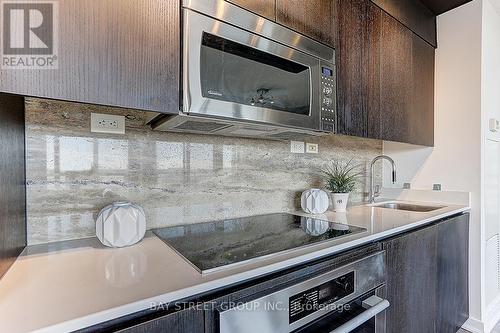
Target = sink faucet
(375,193)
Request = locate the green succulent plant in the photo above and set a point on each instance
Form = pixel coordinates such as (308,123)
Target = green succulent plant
(341,177)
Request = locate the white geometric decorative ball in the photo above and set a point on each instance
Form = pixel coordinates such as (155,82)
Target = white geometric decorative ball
(120,224)
(314,201)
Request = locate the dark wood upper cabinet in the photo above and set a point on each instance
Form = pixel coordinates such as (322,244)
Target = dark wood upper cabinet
(385,77)
(438,7)
(372,80)
(414,15)
(265,8)
(313,18)
(126,53)
(421,116)
(115,52)
(358,68)
(352,118)
(395,80)
(406,85)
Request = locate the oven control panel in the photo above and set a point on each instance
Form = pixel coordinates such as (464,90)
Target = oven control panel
(313,299)
(328,98)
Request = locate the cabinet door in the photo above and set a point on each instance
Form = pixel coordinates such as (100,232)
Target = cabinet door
(395,80)
(453,268)
(12,180)
(373,26)
(421,117)
(414,15)
(385,77)
(313,18)
(358,68)
(352,116)
(266,8)
(185,321)
(412,281)
(115,52)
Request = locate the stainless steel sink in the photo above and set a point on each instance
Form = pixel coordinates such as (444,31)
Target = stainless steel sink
(408,207)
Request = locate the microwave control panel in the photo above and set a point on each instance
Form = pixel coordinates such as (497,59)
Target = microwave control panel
(328,98)
(316,298)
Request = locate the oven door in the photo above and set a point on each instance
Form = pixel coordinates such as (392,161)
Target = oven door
(338,301)
(234,74)
(366,314)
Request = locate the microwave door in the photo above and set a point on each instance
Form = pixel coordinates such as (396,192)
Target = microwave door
(234,74)
(237,73)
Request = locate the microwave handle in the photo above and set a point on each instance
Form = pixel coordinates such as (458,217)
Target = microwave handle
(373,305)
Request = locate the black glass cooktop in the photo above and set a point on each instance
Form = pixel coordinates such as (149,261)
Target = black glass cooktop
(211,245)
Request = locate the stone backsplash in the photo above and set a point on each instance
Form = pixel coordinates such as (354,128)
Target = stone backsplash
(178,178)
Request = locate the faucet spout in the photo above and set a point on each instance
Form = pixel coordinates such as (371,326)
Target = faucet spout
(373,193)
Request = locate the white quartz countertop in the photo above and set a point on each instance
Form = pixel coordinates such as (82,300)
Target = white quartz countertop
(70,285)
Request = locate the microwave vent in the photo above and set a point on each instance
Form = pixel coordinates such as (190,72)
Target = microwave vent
(263,129)
(200,126)
(249,132)
(204,125)
(288,136)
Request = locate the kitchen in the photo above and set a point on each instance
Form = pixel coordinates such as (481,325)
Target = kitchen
(250,165)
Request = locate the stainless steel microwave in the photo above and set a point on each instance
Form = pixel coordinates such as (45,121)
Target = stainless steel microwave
(243,75)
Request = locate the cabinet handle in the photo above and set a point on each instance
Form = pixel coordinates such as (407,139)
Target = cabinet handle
(373,305)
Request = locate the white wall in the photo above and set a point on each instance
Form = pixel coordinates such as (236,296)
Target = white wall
(490,99)
(455,161)
(490,65)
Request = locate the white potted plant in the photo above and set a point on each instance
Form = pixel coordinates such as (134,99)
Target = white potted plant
(340,180)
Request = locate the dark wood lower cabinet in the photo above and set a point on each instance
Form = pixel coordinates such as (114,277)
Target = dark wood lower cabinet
(412,281)
(453,278)
(427,278)
(185,321)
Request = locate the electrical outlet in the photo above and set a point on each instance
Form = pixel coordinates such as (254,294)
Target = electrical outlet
(297,147)
(311,148)
(107,123)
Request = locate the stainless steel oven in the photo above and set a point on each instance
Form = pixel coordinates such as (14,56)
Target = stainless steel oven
(239,70)
(350,299)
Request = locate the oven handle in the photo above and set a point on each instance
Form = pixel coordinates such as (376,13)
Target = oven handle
(373,305)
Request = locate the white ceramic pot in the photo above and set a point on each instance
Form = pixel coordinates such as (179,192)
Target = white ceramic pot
(339,201)
(314,201)
(120,224)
